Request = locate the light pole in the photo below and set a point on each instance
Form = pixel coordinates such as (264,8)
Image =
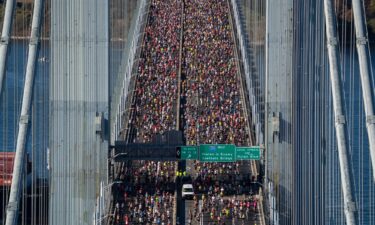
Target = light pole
(112,183)
(117,155)
(99,221)
(120,154)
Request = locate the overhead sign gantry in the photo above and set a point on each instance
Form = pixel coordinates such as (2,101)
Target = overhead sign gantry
(169,147)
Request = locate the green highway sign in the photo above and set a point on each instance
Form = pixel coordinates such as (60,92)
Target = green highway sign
(217,153)
(248,153)
(189,152)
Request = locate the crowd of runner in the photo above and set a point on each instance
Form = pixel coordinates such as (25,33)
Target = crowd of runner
(156,86)
(220,209)
(221,179)
(145,209)
(213,110)
(213,106)
(145,193)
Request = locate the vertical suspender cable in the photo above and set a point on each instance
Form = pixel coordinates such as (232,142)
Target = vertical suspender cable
(334,67)
(12,208)
(4,40)
(365,71)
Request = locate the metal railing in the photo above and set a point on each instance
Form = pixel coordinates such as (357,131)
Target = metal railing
(254,102)
(121,92)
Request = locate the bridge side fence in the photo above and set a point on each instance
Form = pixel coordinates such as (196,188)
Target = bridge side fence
(253,91)
(121,92)
(249,72)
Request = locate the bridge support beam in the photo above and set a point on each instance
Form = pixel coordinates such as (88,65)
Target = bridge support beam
(341,133)
(4,40)
(365,71)
(15,190)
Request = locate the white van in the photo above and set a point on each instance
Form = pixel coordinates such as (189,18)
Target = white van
(187,191)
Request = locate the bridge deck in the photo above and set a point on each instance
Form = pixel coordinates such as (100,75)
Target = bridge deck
(190,80)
